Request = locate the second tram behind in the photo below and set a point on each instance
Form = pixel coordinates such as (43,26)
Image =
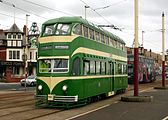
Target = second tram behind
(147,69)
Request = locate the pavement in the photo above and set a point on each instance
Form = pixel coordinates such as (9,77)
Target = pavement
(155,110)
(14,87)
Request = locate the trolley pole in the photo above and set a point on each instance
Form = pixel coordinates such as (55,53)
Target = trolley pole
(136,52)
(163,53)
(85,10)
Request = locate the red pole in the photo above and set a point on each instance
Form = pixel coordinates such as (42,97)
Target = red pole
(163,73)
(136,62)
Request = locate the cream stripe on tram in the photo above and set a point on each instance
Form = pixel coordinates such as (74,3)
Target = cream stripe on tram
(53,81)
(98,53)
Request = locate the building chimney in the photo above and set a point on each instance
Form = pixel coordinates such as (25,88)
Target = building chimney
(24,29)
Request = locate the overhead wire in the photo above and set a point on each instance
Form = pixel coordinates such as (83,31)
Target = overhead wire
(11,4)
(8,3)
(55,10)
(96,12)
(16,17)
(104,7)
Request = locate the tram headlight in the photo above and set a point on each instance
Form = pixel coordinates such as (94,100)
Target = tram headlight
(40,87)
(64,88)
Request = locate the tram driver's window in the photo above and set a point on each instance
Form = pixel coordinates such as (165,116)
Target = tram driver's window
(45,66)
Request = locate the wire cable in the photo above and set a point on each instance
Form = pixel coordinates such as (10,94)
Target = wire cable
(12,5)
(115,27)
(110,5)
(48,7)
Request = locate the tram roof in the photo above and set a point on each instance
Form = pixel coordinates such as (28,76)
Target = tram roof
(85,22)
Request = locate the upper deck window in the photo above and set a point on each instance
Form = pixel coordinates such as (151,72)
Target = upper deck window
(85,29)
(97,36)
(63,29)
(49,30)
(91,32)
(78,29)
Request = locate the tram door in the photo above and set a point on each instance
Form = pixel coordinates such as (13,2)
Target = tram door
(112,74)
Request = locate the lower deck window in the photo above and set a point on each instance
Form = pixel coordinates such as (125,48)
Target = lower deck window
(53,66)
(86,68)
(60,65)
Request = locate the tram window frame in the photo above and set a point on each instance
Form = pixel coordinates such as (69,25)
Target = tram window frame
(98,67)
(77,29)
(86,67)
(107,68)
(118,45)
(121,46)
(115,43)
(103,67)
(85,31)
(97,34)
(61,31)
(91,34)
(76,70)
(125,69)
(92,67)
(63,66)
(116,68)
(111,42)
(45,66)
(52,30)
(102,38)
(120,68)
(107,40)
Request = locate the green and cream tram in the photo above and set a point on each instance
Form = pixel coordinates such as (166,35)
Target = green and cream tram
(78,62)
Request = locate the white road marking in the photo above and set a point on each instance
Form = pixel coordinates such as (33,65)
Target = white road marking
(116,102)
(166,118)
(87,112)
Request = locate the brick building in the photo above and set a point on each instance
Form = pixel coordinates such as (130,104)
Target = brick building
(157,57)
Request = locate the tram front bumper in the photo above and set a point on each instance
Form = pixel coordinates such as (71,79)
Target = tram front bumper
(56,98)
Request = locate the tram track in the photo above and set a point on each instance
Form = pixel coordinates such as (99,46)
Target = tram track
(5,101)
(38,117)
(14,95)
(30,102)
(29,114)
(22,106)
(13,110)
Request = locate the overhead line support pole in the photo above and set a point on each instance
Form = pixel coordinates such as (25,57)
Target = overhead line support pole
(136,52)
(163,53)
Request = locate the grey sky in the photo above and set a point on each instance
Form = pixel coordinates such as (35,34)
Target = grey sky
(120,13)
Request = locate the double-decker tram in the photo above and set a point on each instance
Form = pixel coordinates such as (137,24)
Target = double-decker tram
(78,62)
